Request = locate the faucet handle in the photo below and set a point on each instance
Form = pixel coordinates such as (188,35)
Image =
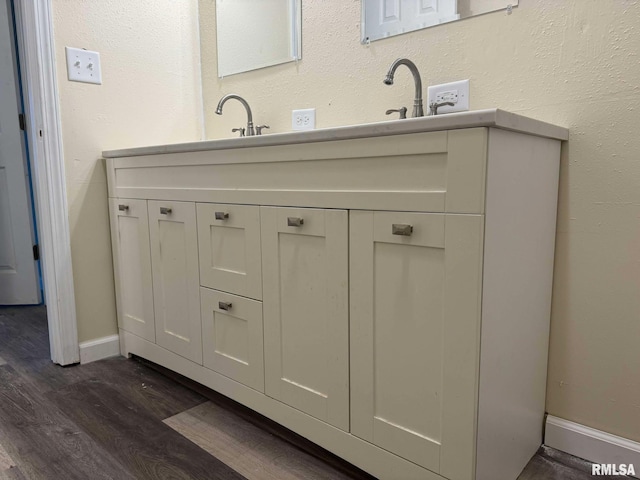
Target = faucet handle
(259,129)
(402,111)
(241,130)
(433,107)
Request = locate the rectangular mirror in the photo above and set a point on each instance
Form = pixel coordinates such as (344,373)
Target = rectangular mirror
(254,34)
(386,18)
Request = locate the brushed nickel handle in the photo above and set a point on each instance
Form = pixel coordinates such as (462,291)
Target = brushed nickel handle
(165,210)
(123,208)
(433,107)
(295,221)
(226,306)
(222,215)
(402,229)
(402,111)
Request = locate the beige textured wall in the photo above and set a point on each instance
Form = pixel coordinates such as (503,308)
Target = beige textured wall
(570,62)
(150,94)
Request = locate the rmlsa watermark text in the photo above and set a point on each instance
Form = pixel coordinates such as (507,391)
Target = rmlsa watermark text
(601,469)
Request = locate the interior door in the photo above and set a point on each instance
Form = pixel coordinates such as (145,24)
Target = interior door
(18,271)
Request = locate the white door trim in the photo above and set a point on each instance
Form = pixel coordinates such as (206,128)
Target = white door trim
(34,27)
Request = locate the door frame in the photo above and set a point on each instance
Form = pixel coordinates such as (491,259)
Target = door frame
(34,29)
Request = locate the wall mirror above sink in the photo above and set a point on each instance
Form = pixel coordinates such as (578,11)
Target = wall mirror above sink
(253,34)
(386,18)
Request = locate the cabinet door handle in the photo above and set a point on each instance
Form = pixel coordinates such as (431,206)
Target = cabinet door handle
(222,215)
(226,306)
(165,210)
(123,208)
(295,221)
(402,229)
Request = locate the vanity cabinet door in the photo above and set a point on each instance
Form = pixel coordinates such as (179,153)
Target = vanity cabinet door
(229,242)
(415,292)
(232,339)
(306,312)
(132,266)
(176,289)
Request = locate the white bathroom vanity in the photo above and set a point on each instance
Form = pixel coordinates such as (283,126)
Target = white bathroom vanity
(383,290)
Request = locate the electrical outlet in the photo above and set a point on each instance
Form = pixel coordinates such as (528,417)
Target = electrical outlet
(454,92)
(303,119)
(83,66)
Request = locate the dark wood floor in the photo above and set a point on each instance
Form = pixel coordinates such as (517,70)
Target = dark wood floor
(125,419)
(102,420)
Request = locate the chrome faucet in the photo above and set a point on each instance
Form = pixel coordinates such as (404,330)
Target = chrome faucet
(249,131)
(417,102)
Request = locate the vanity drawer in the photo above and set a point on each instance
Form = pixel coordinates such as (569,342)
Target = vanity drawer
(229,247)
(232,337)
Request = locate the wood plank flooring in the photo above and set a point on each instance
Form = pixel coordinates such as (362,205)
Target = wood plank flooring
(6,462)
(99,421)
(247,448)
(127,419)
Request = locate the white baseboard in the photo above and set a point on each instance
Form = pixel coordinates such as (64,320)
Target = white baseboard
(100,348)
(590,444)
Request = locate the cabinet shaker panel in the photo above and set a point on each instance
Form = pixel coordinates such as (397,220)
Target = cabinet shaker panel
(306,312)
(414,301)
(176,289)
(232,337)
(229,244)
(132,266)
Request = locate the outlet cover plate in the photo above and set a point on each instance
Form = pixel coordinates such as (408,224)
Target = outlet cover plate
(83,66)
(456,92)
(303,119)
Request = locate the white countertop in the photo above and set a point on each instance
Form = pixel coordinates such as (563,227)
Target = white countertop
(478,118)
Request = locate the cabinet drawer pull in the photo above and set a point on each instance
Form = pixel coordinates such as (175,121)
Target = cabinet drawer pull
(295,221)
(123,208)
(402,229)
(226,306)
(165,210)
(222,215)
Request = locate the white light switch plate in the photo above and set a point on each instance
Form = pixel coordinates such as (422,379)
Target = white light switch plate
(83,66)
(455,92)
